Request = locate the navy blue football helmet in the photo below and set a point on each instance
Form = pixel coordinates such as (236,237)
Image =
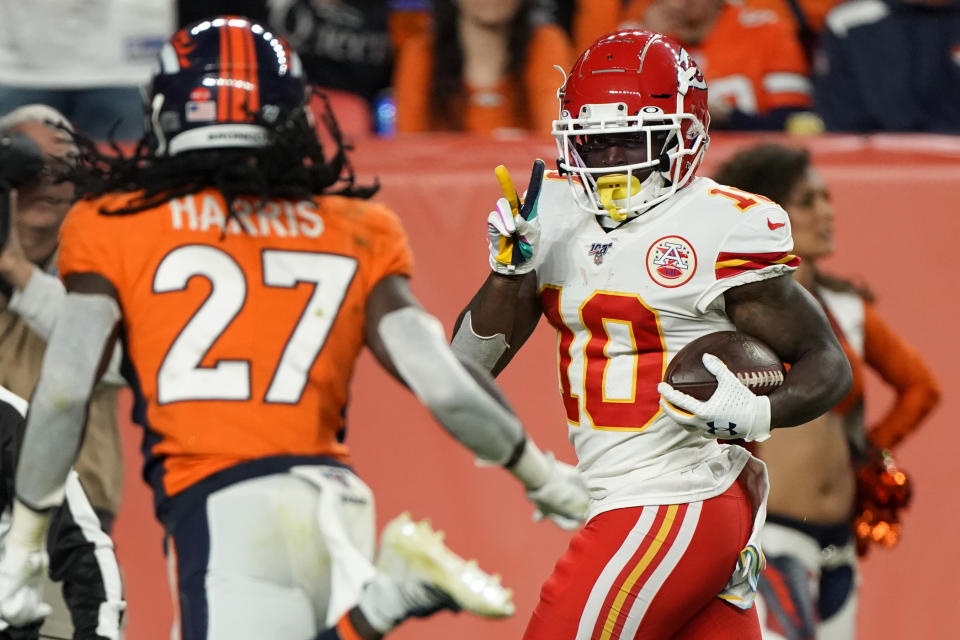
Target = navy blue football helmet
(218,82)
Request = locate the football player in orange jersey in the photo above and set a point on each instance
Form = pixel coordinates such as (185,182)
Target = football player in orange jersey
(245,271)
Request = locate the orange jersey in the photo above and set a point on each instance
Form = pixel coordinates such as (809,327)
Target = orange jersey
(752,60)
(243,338)
(815,11)
(592,19)
(491,108)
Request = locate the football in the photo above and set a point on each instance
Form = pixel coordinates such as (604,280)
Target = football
(751,360)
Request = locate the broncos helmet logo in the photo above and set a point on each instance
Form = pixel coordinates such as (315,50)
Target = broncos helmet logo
(183,46)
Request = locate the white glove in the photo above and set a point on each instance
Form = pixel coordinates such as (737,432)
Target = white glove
(733,411)
(555,487)
(23,566)
(504,232)
(21,588)
(563,498)
(513,228)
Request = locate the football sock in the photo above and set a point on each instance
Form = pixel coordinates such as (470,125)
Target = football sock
(346,630)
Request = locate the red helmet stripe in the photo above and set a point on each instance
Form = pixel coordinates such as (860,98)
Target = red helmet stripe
(238,73)
(250,55)
(223,91)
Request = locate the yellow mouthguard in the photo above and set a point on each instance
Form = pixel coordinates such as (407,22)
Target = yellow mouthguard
(614,187)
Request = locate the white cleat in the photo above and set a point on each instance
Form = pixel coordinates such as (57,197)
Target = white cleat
(414,551)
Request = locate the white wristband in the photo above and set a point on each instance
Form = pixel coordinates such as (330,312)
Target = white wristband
(28,530)
(532,467)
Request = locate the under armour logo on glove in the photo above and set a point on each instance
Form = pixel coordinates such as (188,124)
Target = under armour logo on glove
(730,430)
(746,414)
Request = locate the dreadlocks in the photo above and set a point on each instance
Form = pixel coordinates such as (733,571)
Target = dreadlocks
(292,165)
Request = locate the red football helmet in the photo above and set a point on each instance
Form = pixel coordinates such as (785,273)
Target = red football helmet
(639,88)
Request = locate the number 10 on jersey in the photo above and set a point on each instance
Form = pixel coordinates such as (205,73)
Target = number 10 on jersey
(620,329)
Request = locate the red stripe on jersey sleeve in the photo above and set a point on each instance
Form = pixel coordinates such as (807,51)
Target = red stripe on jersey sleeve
(731,264)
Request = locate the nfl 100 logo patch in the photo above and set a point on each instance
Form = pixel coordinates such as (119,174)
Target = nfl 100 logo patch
(671,261)
(598,250)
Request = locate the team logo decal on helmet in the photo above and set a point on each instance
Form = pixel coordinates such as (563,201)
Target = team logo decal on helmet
(642,88)
(182,45)
(217,81)
(684,64)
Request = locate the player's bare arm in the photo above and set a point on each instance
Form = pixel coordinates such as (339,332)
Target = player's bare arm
(505,311)
(781,313)
(411,344)
(502,315)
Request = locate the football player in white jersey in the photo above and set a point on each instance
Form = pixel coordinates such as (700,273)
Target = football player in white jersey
(630,257)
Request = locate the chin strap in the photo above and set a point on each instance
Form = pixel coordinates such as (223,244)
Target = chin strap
(664,163)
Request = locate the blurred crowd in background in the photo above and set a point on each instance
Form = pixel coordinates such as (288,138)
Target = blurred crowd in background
(492,67)
(483,66)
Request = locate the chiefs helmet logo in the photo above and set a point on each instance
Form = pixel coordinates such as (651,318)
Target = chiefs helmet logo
(684,64)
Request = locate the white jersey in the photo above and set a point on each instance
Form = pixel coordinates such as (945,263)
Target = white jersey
(623,303)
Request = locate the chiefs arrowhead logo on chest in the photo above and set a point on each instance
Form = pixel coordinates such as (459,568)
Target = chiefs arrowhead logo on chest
(671,261)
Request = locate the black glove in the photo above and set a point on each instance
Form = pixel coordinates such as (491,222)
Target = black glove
(30,632)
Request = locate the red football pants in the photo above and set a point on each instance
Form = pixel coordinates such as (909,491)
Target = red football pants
(650,573)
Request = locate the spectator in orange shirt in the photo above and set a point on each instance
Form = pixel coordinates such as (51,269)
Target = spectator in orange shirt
(484,67)
(753,62)
(805,17)
(583,20)
(824,505)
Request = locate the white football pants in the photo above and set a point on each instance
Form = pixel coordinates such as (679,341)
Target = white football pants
(282,556)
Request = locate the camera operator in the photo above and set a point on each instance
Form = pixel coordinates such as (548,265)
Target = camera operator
(35,143)
(36,210)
